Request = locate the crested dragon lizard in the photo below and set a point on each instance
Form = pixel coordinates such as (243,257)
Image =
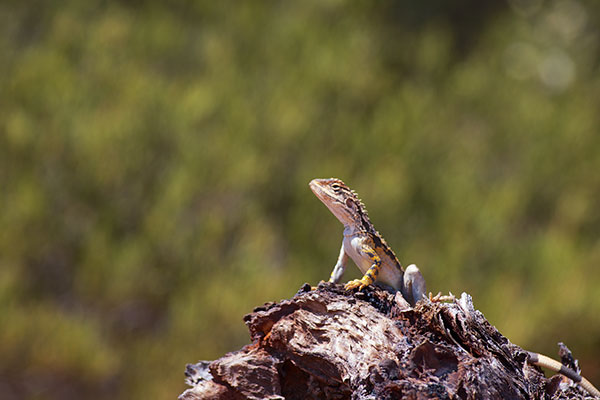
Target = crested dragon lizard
(364,244)
(377,260)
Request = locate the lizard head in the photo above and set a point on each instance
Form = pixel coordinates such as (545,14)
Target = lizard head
(340,199)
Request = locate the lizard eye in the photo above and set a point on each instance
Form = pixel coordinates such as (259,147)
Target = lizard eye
(335,186)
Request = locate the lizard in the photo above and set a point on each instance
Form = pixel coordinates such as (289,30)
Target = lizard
(376,260)
(361,242)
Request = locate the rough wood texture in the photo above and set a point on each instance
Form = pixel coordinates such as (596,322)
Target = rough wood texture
(330,344)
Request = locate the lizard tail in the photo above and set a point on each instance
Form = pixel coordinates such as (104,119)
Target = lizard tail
(543,361)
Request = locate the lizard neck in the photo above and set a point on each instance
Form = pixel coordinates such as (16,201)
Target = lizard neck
(351,230)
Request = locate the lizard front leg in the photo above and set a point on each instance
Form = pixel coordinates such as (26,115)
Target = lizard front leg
(371,274)
(340,266)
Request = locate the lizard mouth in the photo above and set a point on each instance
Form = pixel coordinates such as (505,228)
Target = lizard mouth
(317,188)
(321,189)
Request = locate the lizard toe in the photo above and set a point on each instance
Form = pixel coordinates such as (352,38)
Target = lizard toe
(356,283)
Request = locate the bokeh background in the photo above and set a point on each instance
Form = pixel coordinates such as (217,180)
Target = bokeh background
(155,156)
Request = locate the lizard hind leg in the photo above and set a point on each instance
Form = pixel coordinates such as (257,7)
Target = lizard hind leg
(414,284)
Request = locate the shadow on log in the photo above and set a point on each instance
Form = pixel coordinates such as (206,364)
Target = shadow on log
(331,344)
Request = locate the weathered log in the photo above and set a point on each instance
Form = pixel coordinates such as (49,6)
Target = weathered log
(331,344)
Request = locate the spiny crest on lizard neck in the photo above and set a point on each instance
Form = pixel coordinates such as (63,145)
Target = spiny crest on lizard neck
(343,202)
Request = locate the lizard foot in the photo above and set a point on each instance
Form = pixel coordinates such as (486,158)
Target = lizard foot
(356,283)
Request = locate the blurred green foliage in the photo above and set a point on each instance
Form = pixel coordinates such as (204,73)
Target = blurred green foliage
(154,161)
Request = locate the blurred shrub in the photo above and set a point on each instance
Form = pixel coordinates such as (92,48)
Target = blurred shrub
(154,161)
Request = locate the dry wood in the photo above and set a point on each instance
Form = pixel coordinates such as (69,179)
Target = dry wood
(331,344)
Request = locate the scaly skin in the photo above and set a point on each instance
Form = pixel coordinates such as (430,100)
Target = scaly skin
(364,244)
(376,259)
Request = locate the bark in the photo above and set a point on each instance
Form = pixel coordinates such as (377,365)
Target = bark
(331,344)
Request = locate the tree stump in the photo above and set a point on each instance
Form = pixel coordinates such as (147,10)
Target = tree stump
(332,344)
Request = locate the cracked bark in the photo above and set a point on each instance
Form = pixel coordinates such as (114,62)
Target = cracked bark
(331,344)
